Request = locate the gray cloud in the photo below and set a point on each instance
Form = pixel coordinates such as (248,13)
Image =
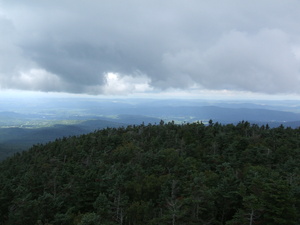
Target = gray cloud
(70,46)
(262,62)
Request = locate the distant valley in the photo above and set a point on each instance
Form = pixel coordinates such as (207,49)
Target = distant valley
(23,124)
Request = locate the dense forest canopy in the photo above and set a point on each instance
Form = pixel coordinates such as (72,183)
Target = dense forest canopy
(157,174)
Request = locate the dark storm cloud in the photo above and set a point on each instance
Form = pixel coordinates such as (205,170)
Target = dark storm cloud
(71,45)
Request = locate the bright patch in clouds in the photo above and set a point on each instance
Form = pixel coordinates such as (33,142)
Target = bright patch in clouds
(37,79)
(118,85)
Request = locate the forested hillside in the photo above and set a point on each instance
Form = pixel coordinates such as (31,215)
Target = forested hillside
(16,139)
(157,174)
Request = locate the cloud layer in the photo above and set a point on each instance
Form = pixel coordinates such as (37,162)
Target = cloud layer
(76,46)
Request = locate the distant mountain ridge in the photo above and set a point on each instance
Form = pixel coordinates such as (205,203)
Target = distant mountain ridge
(220,114)
(239,114)
(22,130)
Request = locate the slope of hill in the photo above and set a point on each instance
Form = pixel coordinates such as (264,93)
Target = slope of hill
(18,139)
(14,139)
(162,174)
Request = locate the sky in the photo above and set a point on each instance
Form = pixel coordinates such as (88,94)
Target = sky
(192,48)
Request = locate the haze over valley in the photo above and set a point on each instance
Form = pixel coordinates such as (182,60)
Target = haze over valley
(41,120)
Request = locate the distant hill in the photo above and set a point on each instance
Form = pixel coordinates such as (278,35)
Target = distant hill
(227,115)
(18,139)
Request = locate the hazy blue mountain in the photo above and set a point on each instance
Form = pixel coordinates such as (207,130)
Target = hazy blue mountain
(24,123)
(204,113)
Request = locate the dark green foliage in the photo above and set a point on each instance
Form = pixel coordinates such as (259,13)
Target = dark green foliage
(162,174)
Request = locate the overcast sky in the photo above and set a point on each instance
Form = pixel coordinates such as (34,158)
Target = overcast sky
(110,47)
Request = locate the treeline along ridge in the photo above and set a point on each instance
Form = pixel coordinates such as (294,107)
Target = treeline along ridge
(157,174)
